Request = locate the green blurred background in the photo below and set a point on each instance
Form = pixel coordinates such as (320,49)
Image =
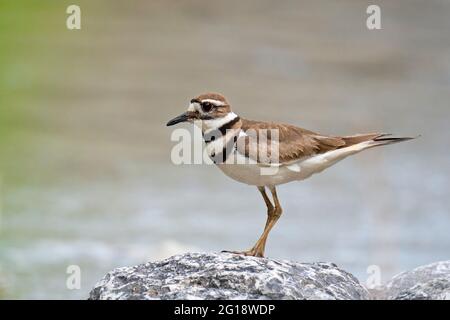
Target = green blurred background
(85,171)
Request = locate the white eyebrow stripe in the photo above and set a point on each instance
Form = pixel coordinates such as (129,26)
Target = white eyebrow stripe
(217,103)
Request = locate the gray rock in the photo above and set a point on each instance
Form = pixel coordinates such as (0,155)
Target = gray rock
(429,282)
(228,276)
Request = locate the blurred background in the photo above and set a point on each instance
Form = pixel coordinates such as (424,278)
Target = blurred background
(85,172)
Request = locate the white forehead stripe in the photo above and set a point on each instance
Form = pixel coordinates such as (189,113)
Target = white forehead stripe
(217,103)
(192,106)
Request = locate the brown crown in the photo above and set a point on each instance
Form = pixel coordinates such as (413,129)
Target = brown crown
(211,95)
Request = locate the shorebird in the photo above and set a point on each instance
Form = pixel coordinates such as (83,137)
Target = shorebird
(289,153)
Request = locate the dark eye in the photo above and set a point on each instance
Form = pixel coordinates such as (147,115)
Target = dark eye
(207,107)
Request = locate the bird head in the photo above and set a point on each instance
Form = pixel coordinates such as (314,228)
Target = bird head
(207,107)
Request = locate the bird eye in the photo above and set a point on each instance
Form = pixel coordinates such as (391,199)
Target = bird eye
(207,107)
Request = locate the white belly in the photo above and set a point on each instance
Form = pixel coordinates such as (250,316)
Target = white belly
(251,173)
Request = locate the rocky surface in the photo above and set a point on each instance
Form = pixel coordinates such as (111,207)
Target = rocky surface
(227,276)
(431,282)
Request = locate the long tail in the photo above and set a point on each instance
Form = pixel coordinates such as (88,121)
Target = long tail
(385,139)
(371,140)
(354,144)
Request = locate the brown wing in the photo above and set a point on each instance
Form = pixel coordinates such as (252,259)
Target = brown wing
(293,143)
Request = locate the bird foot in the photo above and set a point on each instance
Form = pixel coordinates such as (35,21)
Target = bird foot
(252,252)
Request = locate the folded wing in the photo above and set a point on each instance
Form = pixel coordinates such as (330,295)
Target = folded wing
(264,140)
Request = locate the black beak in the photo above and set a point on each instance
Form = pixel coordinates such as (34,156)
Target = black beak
(181,118)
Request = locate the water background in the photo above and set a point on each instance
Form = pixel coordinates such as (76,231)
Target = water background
(86,177)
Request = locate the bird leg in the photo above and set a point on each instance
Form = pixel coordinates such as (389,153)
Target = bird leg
(273,214)
(269,205)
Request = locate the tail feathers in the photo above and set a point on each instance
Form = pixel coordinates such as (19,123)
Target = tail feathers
(384,139)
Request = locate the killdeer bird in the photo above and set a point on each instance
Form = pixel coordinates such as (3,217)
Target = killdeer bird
(235,144)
